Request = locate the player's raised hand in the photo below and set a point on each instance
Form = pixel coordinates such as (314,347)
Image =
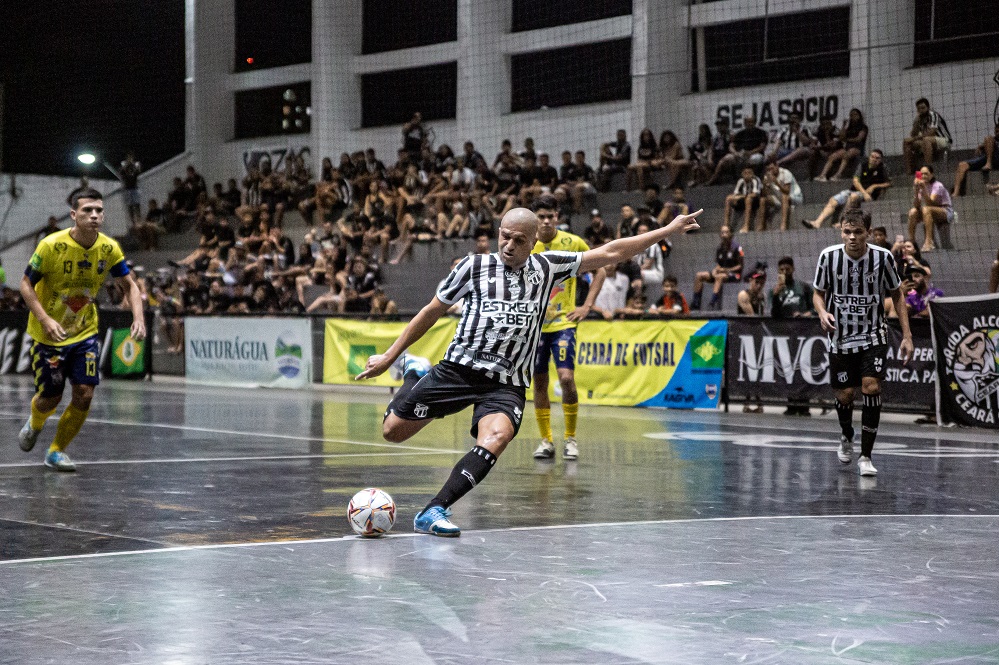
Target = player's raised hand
(828,321)
(376,365)
(684,223)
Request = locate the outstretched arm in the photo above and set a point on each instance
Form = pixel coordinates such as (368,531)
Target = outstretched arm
(625,248)
(416,329)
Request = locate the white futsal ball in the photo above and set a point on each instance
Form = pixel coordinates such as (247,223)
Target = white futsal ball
(371,512)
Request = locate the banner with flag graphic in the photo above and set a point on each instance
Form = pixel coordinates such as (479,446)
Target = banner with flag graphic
(128,356)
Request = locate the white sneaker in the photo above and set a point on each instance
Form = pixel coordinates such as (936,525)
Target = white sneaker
(27,436)
(845,449)
(545,451)
(570,452)
(866,467)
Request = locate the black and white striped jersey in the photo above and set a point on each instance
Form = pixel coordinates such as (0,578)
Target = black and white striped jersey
(854,295)
(501,319)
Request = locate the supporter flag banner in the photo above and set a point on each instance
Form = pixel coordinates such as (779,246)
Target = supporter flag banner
(675,363)
(966,339)
(275,353)
(349,343)
(788,359)
(128,356)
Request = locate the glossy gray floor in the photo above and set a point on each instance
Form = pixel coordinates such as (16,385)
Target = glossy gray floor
(207,526)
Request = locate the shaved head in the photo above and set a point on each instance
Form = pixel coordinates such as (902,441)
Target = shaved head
(522,219)
(518,233)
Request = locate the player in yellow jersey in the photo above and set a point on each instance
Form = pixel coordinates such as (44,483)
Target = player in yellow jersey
(558,333)
(60,287)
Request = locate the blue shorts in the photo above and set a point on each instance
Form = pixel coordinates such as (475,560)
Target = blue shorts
(561,344)
(54,364)
(977,163)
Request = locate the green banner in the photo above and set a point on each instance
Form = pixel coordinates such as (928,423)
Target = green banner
(128,356)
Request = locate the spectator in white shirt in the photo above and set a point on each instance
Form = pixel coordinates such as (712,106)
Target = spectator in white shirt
(780,191)
(613,294)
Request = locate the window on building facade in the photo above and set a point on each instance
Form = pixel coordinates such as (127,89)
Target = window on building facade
(772,49)
(282,109)
(953,30)
(271,34)
(391,98)
(389,25)
(533,15)
(585,74)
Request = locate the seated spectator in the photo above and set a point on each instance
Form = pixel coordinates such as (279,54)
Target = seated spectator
(751,302)
(744,198)
(780,192)
(613,295)
(919,292)
(51,226)
(472,159)
(677,205)
(634,308)
(747,149)
(581,181)
(932,206)
(652,200)
(596,233)
(879,237)
(794,143)
(907,256)
(927,139)
(994,275)
(332,301)
(483,245)
(669,156)
(853,139)
(614,158)
(626,227)
(644,157)
(790,298)
(729,258)
(982,161)
(651,261)
(869,181)
(827,143)
(700,155)
(721,147)
(458,225)
(673,302)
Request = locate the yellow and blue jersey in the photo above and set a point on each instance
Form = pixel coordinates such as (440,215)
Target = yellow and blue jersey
(67,278)
(563,298)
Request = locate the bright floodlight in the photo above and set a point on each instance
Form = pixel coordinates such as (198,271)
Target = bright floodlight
(87,158)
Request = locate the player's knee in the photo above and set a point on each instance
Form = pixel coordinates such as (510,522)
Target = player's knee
(82,396)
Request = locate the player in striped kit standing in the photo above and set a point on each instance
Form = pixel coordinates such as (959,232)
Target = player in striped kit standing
(850,282)
(489,362)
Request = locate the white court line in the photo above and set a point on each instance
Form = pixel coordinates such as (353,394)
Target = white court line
(260,458)
(340,539)
(265,435)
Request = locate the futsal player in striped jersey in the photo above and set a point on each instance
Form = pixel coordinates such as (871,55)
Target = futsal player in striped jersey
(850,282)
(489,362)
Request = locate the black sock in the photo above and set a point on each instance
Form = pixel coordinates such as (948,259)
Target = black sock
(845,413)
(696,302)
(870,417)
(466,474)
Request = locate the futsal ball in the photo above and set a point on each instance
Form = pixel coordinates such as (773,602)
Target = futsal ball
(371,512)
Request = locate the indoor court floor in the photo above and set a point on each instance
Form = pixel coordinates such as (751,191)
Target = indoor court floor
(207,525)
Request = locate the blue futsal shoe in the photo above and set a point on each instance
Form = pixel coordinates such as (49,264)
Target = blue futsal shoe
(434,520)
(406,362)
(59,461)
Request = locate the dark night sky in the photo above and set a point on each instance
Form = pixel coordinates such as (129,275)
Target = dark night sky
(103,75)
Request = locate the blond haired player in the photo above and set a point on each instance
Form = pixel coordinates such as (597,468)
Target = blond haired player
(60,287)
(558,333)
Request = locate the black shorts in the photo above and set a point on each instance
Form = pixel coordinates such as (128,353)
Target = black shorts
(847,370)
(448,388)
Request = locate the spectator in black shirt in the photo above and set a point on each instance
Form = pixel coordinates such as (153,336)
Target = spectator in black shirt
(747,148)
(581,181)
(414,137)
(52,226)
(652,200)
(129,175)
(869,181)
(596,233)
(614,158)
(225,236)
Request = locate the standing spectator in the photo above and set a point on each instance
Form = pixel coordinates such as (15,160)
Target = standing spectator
(853,139)
(928,138)
(701,156)
(747,149)
(932,206)
(129,175)
(614,158)
(729,259)
(745,197)
(613,294)
(790,298)
(751,302)
(794,143)
(414,137)
(643,160)
(982,161)
(51,226)
(869,181)
(780,191)
(919,292)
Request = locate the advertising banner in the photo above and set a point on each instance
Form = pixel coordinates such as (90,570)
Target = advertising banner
(788,359)
(274,353)
(348,343)
(966,339)
(675,363)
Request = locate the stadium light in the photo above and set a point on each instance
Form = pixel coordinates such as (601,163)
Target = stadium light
(86,158)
